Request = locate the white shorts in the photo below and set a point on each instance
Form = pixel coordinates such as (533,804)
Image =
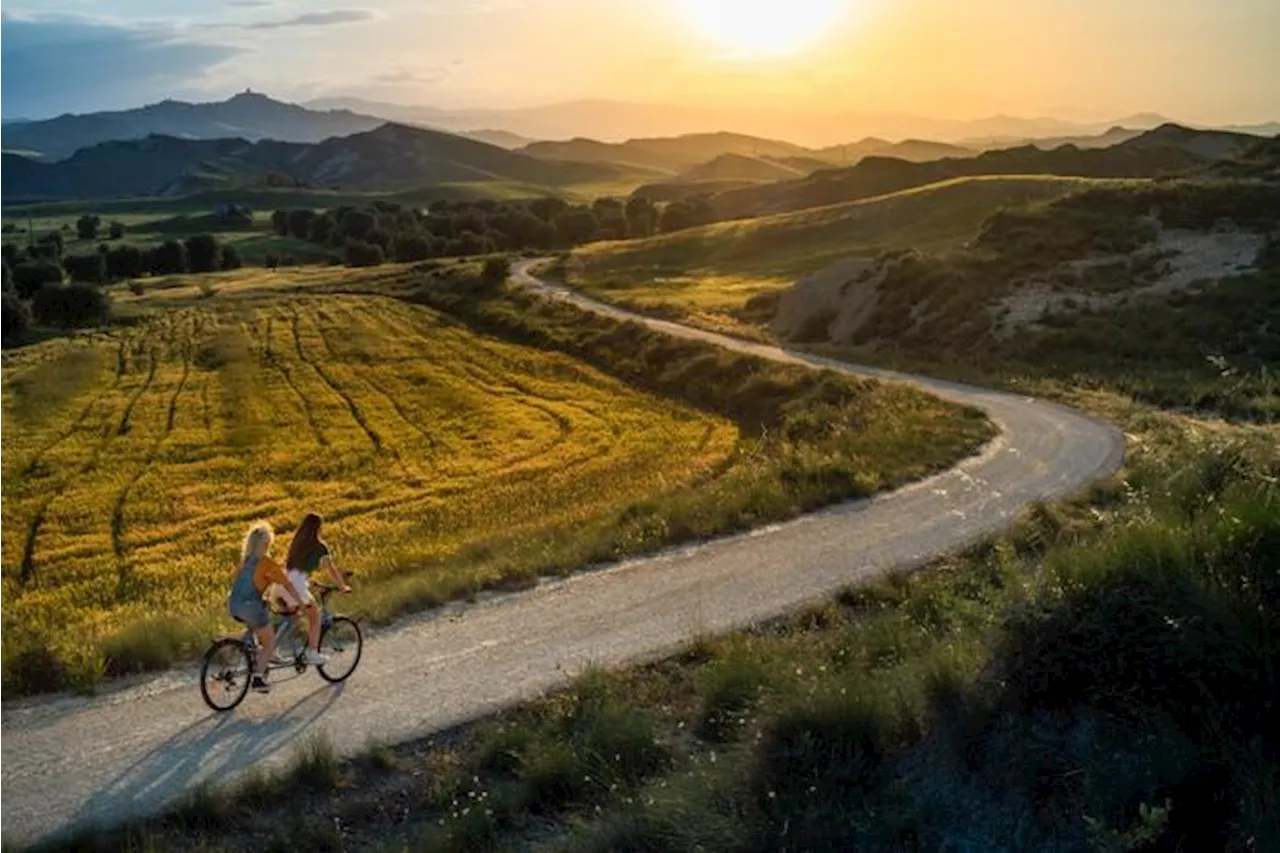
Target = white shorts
(301,586)
(280,596)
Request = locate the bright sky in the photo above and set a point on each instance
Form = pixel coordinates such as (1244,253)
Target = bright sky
(1212,61)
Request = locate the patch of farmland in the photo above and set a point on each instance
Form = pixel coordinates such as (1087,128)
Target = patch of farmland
(134,460)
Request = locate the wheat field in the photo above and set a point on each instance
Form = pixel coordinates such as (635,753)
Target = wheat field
(133,460)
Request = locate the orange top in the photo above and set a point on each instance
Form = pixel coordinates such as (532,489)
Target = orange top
(267,573)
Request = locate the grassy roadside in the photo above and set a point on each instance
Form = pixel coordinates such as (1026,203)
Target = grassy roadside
(1100,678)
(805,440)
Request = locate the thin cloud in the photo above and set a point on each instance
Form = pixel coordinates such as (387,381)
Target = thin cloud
(318,19)
(402,76)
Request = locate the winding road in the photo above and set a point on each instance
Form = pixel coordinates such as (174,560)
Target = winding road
(72,761)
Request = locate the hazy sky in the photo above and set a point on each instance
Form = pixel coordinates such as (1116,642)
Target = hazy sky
(1195,60)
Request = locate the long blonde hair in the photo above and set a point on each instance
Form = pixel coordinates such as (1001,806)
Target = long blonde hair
(257,541)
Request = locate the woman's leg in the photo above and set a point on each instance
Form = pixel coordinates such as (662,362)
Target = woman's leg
(266,648)
(313,627)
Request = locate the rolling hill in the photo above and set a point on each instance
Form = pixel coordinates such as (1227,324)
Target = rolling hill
(667,154)
(742,167)
(248,116)
(708,274)
(1167,150)
(390,157)
(915,150)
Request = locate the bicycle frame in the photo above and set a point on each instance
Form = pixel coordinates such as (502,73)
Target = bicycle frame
(283,625)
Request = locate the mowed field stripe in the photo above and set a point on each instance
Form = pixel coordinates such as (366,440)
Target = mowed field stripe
(118,509)
(276,360)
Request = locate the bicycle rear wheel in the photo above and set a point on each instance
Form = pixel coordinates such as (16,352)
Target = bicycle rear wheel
(225,673)
(342,644)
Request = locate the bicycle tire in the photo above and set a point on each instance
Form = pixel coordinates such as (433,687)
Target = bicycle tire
(237,683)
(329,670)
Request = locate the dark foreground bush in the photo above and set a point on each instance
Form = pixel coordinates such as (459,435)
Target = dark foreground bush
(14,319)
(90,269)
(203,253)
(358,253)
(31,276)
(71,306)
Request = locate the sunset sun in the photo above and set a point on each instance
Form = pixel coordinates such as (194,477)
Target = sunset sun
(763,27)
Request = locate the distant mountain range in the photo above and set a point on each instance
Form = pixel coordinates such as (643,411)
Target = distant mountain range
(254,117)
(266,143)
(246,116)
(389,157)
(249,116)
(620,120)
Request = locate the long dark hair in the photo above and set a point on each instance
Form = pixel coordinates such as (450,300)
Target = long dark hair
(305,540)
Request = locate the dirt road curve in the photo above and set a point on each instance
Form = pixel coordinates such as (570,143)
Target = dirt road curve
(70,761)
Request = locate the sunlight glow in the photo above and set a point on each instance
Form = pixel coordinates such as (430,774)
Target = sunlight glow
(764,27)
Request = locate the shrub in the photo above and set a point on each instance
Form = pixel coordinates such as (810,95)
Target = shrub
(116,231)
(14,319)
(299,222)
(358,253)
(411,247)
(48,247)
(91,269)
(496,271)
(87,226)
(169,258)
(203,253)
(70,306)
(231,258)
(124,262)
(32,275)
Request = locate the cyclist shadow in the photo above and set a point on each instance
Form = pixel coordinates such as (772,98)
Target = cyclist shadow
(212,749)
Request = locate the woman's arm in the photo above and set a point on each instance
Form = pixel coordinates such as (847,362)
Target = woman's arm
(327,563)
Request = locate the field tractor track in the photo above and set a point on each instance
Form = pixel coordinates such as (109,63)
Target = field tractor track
(414,478)
(117,510)
(26,571)
(498,383)
(36,459)
(125,419)
(277,361)
(356,414)
(491,380)
(377,386)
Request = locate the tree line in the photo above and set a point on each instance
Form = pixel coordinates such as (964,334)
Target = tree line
(43,283)
(381,231)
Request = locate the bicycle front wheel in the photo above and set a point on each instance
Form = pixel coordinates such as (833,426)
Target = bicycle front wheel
(225,673)
(342,644)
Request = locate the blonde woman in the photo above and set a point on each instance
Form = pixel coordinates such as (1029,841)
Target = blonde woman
(259,575)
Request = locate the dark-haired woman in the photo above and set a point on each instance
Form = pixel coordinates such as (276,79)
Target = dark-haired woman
(308,553)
